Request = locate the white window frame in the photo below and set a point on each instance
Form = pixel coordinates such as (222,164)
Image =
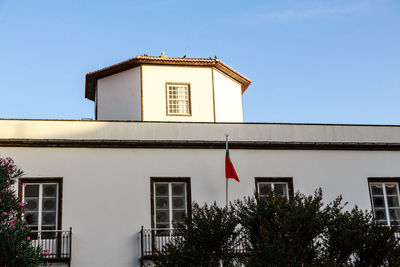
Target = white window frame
(187,85)
(170,209)
(40,202)
(383,184)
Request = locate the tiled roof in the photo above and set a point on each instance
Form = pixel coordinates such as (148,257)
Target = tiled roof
(92,77)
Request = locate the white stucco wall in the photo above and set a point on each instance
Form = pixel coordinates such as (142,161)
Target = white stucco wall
(119,96)
(106,192)
(228,99)
(154,92)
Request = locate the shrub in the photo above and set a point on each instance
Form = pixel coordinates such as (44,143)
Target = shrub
(15,248)
(353,239)
(304,232)
(203,240)
(280,232)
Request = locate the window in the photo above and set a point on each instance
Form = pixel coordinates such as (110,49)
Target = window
(278,185)
(171,201)
(384,194)
(178,99)
(43,203)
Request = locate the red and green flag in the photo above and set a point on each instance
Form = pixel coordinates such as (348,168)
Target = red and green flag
(229,169)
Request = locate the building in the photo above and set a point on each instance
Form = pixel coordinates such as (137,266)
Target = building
(158,143)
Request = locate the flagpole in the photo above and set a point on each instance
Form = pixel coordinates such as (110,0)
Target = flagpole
(226,148)
(226,192)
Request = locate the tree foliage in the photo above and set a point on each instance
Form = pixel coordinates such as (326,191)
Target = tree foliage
(275,231)
(203,240)
(352,238)
(280,232)
(15,247)
(305,232)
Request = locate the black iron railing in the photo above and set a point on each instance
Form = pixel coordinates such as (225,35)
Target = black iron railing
(56,244)
(153,240)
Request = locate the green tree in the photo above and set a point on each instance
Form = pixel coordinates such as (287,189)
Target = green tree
(15,248)
(281,232)
(305,232)
(352,238)
(210,235)
(275,231)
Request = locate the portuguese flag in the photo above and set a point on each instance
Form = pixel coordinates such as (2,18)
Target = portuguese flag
(229,169)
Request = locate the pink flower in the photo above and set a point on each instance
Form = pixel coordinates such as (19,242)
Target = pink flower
(5,213)
(46,251)
(21,204)
(29,238)
(13,223)
(24,185)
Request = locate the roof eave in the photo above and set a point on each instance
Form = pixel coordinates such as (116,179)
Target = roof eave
(93,77)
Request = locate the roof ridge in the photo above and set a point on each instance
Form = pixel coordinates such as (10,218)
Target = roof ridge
(180,58)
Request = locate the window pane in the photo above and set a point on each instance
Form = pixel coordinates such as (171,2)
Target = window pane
(32,218)
(170,203)
(46,212)
(178,189)
(391,189)
(386,203)
(48,218)
(393,201)
(394,214)
(162,216)
(178,216)
(49,190)
(265,189)
(32,190)
(32,204)
(379,202)
(162,189)
(162,203)
(178,99)
(49,204)
(280,189)
(376,189)
(380,214)
(31,197)
(178,203)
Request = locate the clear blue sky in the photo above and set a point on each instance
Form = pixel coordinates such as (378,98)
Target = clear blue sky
(310,61)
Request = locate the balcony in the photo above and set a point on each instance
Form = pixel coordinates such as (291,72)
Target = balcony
(56,244)
(153,240)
